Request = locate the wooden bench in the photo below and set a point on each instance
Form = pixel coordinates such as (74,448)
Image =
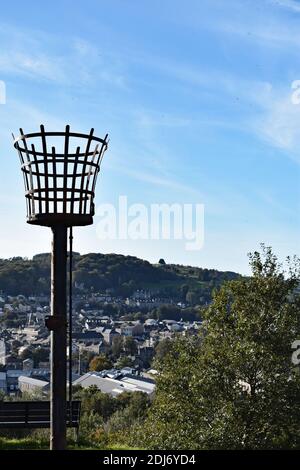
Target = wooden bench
(34,414)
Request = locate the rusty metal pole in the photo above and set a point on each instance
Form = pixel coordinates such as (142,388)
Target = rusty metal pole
(58,323)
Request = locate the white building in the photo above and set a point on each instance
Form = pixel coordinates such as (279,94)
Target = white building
(3,383)
(3,353)
(30,385)
(117,385)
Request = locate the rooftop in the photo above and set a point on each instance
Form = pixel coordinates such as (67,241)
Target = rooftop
(115,386)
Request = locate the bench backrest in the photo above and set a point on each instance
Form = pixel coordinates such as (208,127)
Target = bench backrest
(35,414)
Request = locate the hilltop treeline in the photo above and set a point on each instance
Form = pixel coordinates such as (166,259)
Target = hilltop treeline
(114,274)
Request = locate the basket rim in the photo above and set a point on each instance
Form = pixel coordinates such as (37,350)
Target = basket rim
(66,133)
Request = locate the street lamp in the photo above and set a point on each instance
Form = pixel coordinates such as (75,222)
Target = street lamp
(60,171)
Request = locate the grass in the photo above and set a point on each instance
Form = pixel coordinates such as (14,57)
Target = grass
(25,443)
(29,443)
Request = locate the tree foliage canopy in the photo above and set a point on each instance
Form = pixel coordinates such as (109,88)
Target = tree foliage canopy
(118,274)
(99,363)
(235,387)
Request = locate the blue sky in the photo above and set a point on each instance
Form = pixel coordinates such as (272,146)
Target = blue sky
(196,98)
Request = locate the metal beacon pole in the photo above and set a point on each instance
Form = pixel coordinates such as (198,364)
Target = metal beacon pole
(60,185)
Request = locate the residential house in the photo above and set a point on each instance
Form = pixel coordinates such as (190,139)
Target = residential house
(132,329)
(109,334)
(3,352)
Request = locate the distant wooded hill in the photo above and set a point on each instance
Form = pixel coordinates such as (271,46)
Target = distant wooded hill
(116,274)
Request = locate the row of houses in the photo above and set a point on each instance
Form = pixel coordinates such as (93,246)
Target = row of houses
(11,380)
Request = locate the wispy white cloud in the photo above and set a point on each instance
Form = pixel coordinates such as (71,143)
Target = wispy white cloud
(40,56)
(292,5)
(202,79)
(279,123)
(17,113)
(158,180)
(263,22)
(152,119)
(271,115)
(274,33)
(34,66)
(272,200)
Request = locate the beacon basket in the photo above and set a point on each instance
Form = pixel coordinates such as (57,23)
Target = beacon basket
(60,171)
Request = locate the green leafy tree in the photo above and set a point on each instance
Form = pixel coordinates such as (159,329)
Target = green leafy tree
(40,355)
(95,401)
(130,346)
(192,297)
(162,348)
(99,363)
(124,361)
(184,290)
(235,385)
(168,312)
(133,414)
(117,345)
(90,424)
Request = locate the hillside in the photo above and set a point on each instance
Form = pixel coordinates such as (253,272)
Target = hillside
(117,274)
